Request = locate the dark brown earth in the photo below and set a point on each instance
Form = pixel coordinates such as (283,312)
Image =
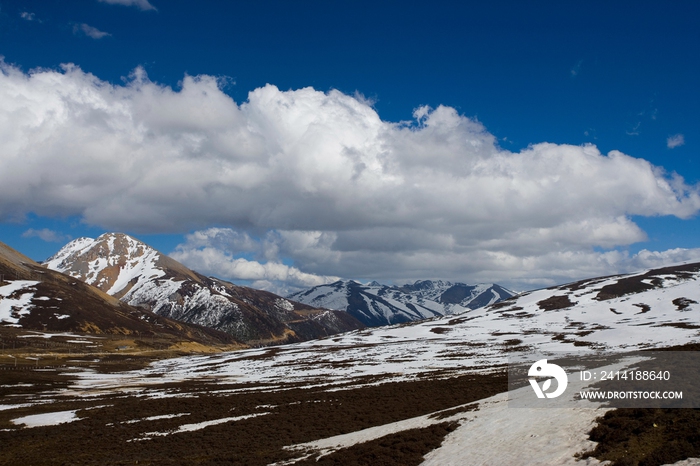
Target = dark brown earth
(104,435)
(29,350)
(647,437)
(683,303)
(639,283)
(555,302)
(405,448)
(107,434)
(650,436)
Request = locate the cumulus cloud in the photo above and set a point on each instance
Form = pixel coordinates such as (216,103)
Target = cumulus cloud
(143,5)
(50,236)
(515,266)
(318,179)
(646,259)
(674,141)
(212,252)
(89,31)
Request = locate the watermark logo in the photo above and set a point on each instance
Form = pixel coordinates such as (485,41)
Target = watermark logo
(543,369)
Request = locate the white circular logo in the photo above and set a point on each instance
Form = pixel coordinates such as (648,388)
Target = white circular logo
(543,369)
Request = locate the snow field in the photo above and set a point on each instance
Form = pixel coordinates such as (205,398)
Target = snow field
(11,309)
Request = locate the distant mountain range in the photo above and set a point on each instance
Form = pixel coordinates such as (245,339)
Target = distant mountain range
(138,275)
(375,304)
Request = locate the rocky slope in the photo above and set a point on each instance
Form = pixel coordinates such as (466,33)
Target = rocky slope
(137,274)
(375,304)
(33,298)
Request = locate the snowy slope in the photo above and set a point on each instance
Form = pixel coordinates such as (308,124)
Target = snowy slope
(34,298)
(646,310)
(139,275)
(375,304)
(650,309)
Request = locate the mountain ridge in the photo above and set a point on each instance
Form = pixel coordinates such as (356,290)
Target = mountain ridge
(141,276)
(34,298)
(375,304)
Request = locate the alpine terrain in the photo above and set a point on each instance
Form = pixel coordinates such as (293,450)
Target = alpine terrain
(375,304)
(39,300)
(138,275)
(433,392)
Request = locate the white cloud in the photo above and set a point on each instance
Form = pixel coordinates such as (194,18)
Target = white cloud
(646,259)
(141,4)
(517,266)
(89,31)
(28,16)
(47,235)
(674,141)
(319,179)
(212,252)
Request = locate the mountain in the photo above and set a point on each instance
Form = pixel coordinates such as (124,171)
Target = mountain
(460,294)
(33,298)
(380,391)
(649,309)
(138,275)
(375,304)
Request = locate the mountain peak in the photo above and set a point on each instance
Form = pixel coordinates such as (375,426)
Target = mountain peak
(111,262)
(139,275)
(39,299)
(430,284)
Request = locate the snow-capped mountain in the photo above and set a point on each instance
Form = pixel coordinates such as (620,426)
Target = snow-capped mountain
(139,275)
(36,299)
(458,294)
(375,304)
(366,391)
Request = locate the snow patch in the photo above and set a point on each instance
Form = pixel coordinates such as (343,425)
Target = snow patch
(197,426)
(12,309)
(47,419)
(284,304)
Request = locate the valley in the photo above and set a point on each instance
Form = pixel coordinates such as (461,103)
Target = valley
(401,394)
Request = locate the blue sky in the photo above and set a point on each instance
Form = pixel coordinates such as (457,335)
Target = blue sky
(621,76)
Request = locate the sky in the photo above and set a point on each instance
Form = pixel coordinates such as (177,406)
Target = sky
(283,145)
